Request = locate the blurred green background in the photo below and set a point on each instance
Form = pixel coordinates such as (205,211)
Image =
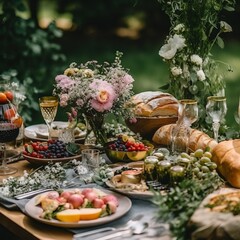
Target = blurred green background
(91,29)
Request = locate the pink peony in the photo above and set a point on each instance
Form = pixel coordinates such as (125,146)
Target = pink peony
(64,82)
(103,95)
(63,100)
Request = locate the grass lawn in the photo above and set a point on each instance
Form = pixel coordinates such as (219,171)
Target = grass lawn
(146,66)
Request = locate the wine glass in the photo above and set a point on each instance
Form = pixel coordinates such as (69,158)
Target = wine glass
(49,106)
(216,108)
(187,115)
(10,122)
(237,114)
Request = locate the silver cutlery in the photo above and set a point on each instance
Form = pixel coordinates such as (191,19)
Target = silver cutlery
(125,227)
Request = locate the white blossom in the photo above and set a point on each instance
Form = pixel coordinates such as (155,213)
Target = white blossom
(201,75)
(168,51)
(180,28)
(225,27)
(196,60)
(176,71)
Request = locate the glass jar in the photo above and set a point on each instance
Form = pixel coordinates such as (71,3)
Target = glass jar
(177,174)
(150,170)
(163,168)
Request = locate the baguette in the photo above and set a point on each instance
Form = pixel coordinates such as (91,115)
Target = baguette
(197,139)
(227,157)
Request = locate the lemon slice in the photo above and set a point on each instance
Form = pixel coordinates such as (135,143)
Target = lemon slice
(136,156)
(90,213)
(69,215)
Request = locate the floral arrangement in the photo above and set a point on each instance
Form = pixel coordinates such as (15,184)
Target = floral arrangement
(93,90)
(55,176)
(195,28)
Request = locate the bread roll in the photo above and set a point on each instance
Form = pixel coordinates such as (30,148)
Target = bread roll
(154,103)
(227,157)
(197,140)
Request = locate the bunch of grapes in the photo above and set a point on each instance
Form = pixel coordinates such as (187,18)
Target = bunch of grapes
(200,163)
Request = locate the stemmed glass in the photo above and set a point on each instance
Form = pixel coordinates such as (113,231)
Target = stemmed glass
(237,114)
(10,123)
(216,108)
(49,106)
(187,115)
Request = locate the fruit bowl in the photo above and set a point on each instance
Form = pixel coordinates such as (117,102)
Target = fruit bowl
(147,126)
(121,156)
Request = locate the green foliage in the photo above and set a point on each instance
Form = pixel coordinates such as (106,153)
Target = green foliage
(197,24)
(178,205)
(28,54)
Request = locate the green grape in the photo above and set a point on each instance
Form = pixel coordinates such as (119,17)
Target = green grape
(200,174)
(213,166)
(197,164)
(196,170)
(193,159)
(207,154)
(198,153)
(205,169)
(185,155)
(204,160)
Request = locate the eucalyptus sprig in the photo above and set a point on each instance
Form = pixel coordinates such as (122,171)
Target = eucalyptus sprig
(179,204)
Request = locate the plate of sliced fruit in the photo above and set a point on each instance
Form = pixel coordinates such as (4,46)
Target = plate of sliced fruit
(78,208)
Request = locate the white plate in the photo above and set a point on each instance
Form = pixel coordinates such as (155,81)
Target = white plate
(39,132)
(124,206)
(132,193)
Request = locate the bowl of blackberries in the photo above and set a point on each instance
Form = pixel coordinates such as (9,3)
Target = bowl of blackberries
(51,151)
(127,149)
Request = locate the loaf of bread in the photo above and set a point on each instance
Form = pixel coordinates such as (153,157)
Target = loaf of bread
(227,157)
(197,140)
(154,103)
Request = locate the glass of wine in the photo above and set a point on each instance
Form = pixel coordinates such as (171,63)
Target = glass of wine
(49,106)
(216,108)
(187,115)
(10,122)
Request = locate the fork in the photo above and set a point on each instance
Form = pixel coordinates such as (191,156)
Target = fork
(38,191)
(125,227)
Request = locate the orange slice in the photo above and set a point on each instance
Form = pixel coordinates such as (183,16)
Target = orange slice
(136,156)
(69,215)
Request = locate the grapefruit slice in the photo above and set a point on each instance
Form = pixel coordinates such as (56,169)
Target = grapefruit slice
(69,215)
(136,156)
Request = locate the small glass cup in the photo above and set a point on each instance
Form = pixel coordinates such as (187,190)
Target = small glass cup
(91,158)
(67,135)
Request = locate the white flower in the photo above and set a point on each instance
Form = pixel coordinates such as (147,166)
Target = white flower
(176,71)
(225,27)
(168,51)
(196,60)
(180,28)
(201,75)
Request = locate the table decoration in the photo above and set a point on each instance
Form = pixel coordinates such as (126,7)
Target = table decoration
(93,90)
(195,28)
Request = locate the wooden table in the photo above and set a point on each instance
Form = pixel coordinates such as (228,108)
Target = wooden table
(23,226)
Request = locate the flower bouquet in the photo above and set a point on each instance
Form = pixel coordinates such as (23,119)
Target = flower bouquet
(93,90)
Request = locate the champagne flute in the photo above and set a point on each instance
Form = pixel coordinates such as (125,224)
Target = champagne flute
(49,106)
(216,108)
(187,115)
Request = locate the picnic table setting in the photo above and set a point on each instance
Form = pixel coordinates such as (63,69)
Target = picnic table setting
(124,165)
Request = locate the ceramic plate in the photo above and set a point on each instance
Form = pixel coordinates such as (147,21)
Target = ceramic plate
(39,132)
(43,161)
(124,206)
(133,193)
